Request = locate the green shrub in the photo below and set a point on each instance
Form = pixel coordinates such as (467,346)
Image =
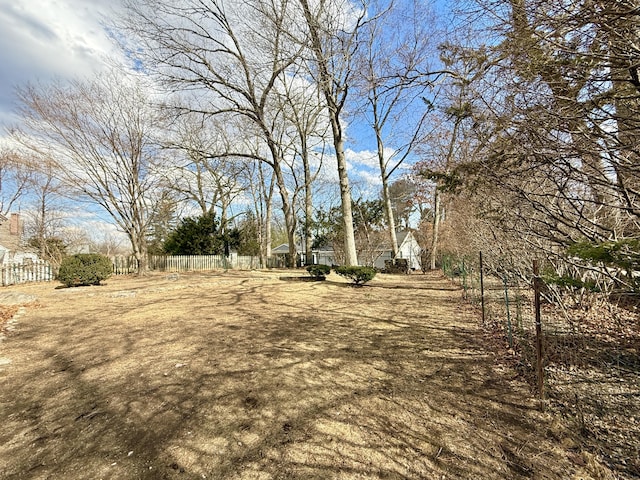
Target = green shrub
(624,253)
(319,271)
(84,269)
(358,275)
(570,283)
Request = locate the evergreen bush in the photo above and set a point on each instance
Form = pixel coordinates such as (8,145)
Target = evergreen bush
(84,269)
(319,271)
(358,275)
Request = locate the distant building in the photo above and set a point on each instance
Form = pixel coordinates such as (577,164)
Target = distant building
(324,255)
(10,232)
(408,248)
(11,246)
(17,264)
(281,253)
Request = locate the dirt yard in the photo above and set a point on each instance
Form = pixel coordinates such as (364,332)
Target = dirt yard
(244,375)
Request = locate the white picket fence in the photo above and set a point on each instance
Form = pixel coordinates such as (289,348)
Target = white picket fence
(41,271)
(200,263)
(16,273)
(193,263)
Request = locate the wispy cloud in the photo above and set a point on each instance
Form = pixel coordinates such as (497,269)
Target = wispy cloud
(362,158)
(42,39)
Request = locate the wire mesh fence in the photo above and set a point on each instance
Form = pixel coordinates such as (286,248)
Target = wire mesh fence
(589,351)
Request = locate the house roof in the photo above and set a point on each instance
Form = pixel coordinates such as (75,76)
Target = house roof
(400,236)
(284,248)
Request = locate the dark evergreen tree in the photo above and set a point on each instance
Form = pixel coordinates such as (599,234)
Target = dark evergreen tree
(196,236)
(247,241)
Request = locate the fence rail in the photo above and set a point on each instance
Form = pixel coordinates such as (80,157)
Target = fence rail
(124,265)
(42,271)
(16,273)
(198,263)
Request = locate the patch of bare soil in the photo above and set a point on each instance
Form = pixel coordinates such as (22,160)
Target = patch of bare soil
(244,376)
(6,314)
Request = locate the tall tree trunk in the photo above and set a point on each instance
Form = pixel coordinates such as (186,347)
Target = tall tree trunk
(42,234)
(386,198)
(350,254)
(436,228)
(267,222)
(328,83)
(287,208)
(308,208)
(264,216)
(140,253)
(143,261)
(391,222)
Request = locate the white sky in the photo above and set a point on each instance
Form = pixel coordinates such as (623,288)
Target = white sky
(42,39)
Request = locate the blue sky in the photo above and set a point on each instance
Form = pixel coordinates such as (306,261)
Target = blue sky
(44,39)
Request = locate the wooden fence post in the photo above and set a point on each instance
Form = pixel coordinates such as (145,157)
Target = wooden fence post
(506,302)
(482,287)
(539,350)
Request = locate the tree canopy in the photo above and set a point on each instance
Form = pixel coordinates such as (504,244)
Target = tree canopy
(195,236)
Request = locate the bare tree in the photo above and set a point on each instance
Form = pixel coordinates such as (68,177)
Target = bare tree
(261,190)
(332,30)
(231,56)
(204,173)
(48,197)
(15,178)
(403,197)
(304,131)
(108,243)
(441,154)
(394,63)
(449,142)
(99,136)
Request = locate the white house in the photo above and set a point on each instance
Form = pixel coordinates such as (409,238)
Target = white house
(18,265)
(324,255)
(281,252)
(408,248)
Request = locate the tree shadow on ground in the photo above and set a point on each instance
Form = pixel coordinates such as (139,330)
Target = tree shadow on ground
(266,379)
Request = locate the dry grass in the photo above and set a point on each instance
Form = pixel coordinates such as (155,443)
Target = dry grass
(592,366)
(242,375)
